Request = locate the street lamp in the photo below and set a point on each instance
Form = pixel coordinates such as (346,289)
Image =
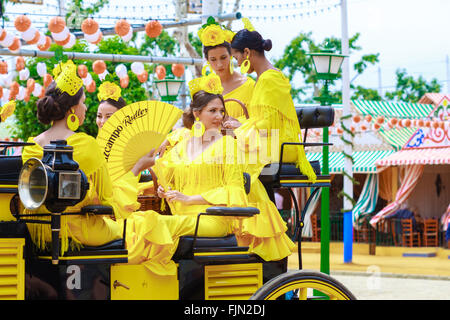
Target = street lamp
(168,88)
(327,65)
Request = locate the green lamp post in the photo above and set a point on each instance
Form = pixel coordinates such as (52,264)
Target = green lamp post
(327,65)
(168,88)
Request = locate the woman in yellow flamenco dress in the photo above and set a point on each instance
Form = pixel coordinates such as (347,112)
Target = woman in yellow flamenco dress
(217,50)
(200,171)
(272,120)
(63,106)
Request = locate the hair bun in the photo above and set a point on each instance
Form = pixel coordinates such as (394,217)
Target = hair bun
(267,44)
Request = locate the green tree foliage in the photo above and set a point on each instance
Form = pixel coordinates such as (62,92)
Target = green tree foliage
(409,89)
(25,113)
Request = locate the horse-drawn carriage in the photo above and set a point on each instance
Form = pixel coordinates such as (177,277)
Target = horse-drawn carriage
(208,268)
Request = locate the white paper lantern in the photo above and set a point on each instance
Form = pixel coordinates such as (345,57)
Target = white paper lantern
(37,89)
(8,79)
(87,80)
(92,37)
(62,35)
(42,39)
(71,42)
(41,69)
(8,41)
(129,35)
(5,97)
(137,68)
(21,94)
(29,34)
(24,74)
(121,71)
(102,76)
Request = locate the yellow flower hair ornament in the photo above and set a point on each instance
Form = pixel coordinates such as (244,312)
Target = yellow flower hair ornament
(66,77)
(7,110)
(247,24)
(210,83)
(212,34)
(108,90)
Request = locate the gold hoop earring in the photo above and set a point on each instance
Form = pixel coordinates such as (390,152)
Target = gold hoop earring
(206,66)
(72,121)
(198,128)
(245,66)
(231,66)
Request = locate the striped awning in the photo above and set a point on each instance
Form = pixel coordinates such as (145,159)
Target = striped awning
(363,161)
(416,156)
(393,109)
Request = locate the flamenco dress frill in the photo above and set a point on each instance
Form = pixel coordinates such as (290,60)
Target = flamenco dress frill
(152,239)
(272,120)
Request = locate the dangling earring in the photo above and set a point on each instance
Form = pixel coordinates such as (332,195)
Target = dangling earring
(231,67)
(245,66)
(206,66)
(198,128)
(72,121)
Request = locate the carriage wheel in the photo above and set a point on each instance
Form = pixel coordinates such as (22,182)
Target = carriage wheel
(303,285)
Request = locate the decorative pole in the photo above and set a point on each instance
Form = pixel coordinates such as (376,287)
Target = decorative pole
(347,138)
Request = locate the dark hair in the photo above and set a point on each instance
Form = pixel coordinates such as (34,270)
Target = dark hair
(199,101)
(252,40)
(225,45)
(119,104)
(55,104)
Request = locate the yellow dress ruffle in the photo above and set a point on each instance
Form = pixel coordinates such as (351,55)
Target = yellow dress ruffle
(242,93)
(271,108)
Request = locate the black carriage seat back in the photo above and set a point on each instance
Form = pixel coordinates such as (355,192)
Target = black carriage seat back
(10,167)
(315,117)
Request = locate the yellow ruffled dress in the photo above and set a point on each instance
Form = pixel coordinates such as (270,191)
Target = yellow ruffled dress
(214,175)
(272,119)
(88,230)
(242,93)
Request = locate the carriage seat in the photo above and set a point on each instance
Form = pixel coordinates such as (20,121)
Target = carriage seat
(10,167)
(186,249)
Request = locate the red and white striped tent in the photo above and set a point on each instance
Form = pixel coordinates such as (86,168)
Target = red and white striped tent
(426,147)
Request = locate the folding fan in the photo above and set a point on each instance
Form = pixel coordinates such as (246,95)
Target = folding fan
(133,131)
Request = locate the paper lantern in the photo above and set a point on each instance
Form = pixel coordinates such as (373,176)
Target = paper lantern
(143,76)
(89,26)
(368,118)
(62,35)
(91,87)
(121,71)
(435,124)
(339,130)
(363,127)
(420,123)
(356,118)
(3,67)
(100,37)
(7,40)
(87,80)
(124,81)
(137,68)
(122,27)
(99,66)
(1,92)
(103,75)
(63,42)
(29,34)
(82,71)
(393,121)
(37,90)
(428,124)
(56,25)
(407,123)
(27,96)
(46,46)
(22,23)
(160,72)
(24,74)
(153,28)
(20,63)
(31,84)
(41,69)
(21,95)
(14,88)
(376,126)
(352,129)
(42,93)
(380,119)
(47,79)
(2,34)
(15,46)
(442,125)
(36,38)
(72,41)
(128,36)
(177,70)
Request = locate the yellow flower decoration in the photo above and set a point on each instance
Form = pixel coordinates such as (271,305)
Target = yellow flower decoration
(66,78)
(247,24)
(210,83)
(7,110)
(212,35)
(229,35)
(109,90)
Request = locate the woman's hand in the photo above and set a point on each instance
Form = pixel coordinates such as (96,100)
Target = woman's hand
(145,162)
(174,195)
(231,123)
(162,148)
(161,192)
